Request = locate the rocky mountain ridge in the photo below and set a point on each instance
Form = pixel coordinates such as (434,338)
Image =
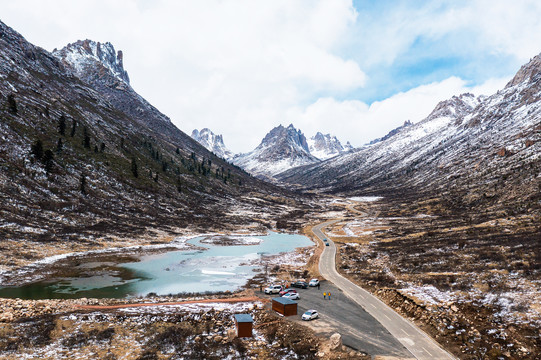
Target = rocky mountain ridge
(392,132)
(285,148)
(326,146)
(281,149)
(212,142)
(90,58)
(469,145)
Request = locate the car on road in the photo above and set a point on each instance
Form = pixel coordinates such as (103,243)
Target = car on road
(313,282)
(273,289)
(286,291)
(325,239)
(310,315)
(326,244)
(300,284)
(292,296)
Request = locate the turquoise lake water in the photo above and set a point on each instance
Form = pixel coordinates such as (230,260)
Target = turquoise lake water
(218,268)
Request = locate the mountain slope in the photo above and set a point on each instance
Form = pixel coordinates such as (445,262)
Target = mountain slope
(488,149)
(86,162)
(392,132)
(281,149)
(212,142)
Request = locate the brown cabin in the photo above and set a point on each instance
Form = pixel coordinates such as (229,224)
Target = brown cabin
(286,307)
(244,325)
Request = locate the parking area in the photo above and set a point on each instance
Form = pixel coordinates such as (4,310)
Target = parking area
(359,330)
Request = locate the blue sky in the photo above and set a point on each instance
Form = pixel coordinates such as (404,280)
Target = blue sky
(356,69)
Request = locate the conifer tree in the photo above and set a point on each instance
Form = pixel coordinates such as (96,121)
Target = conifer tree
(12,104)
(37,149)
(59,145)
(134,167)
(82,184)
(73,127)
(62,125)
(47,160)
(86,138)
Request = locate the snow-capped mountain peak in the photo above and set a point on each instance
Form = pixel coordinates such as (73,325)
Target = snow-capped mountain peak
(84,56)
(326,146)
(281,149)
(212,142)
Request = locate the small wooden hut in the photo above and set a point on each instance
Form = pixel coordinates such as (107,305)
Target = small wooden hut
(284,306)
(244,325)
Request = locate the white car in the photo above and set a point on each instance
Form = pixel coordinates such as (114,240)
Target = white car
(314,282)
(292,296)
(310,315)
(273,289)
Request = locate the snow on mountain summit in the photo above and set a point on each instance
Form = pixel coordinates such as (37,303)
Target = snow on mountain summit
(326,146)
(90,58)
(212,142)
(281,149)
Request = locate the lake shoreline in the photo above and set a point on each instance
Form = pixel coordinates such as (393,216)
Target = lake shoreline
(62,266)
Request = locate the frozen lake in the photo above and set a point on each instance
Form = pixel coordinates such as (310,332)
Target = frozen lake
(217,268)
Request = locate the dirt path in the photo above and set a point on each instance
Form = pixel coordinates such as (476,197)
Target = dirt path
(123,306)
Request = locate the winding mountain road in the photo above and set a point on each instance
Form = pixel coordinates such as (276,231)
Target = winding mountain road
(416,341)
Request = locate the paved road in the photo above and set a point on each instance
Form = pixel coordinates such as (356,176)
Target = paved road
(416,341)
(359,329)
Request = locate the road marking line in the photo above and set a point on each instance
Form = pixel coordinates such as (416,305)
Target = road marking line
(374,306)
(428,352)
(404,331)
(387,316)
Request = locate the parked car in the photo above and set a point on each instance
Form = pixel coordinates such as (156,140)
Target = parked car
(285,291)
(326,244)
(300,284)
(310,315)
(292,296)
(313,282)
(273,289)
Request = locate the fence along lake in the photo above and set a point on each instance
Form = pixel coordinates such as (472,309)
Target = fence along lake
(213,269)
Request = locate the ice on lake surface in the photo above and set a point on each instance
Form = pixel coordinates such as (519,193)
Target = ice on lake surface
(218,268)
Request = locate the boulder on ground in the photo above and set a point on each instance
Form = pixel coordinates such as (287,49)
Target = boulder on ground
(336,342)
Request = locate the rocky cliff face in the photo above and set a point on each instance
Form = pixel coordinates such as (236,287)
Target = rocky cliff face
(89,58)
(529,72)
(281,149)
(326,146)
(212,142)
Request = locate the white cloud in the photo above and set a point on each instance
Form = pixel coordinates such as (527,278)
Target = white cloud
(469,28)
(355,121)
(230,66)
(510,28)
(242,67)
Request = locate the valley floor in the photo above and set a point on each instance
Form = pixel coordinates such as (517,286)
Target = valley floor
(473,283)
